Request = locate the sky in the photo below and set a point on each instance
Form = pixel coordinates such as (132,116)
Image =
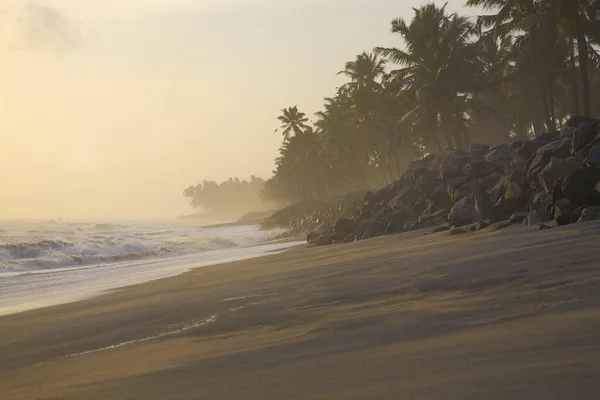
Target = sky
(109,109)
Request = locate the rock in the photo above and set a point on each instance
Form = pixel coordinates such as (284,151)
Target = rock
(537,217)
(499,212)
(537,164)
(555,169)
(502,154)
(512,190)
(344,227)
(482,225)
(498,190)
(593,157)
(483,203)
(438,200)
(558,148)
(579,187)
(349,239)
(478,169)
(585,133)
(590,214)
(370,198)
(312,237)
(324,240)
(577,120)
(463,213)
(517,218)
(399,218)
(373,229)
(450,171)
(564,213)
(457,231)
(442,228)
(436,218)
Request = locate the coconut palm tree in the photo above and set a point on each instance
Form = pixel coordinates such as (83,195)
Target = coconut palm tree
(441,69)
(293,121)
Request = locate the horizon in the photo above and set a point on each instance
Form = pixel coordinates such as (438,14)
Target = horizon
(111,110)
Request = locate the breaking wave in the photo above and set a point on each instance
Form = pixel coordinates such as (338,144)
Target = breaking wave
(31,247)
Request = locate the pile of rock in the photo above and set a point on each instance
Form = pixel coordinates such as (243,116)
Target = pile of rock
(554,176)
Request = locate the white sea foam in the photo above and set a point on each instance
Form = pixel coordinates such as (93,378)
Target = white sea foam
(44,264)
(28,247)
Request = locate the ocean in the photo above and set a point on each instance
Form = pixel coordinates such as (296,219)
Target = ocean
(55,262)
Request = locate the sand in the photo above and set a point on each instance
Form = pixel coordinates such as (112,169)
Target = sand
(513,314)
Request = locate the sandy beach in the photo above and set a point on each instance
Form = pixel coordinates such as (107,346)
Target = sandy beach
(513,314)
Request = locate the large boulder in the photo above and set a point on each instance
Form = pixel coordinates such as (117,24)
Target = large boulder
(555,169)
(344,227)
(564,212)
(590,214)
(537,217)
(585,133)
(579,187)
(399,218)
(501,155)
(464,213)
(593,157)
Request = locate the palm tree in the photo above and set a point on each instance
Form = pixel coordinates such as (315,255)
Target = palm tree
(365,70)
(441,69)
(292,121)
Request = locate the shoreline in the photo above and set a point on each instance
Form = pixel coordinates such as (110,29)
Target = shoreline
(475,316)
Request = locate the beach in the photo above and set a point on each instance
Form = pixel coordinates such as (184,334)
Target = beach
(508,314)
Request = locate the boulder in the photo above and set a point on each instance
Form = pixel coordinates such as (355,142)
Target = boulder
(370,228)
(450,171)
(312,237)
(590,214)
(585,133)
(593,157)
(555,169)
(501,155)
(344,227)
(399,218)
(537,217)
(370,198)
(558,148)
(324,240)
(463,213)
(579,187)
(564,213)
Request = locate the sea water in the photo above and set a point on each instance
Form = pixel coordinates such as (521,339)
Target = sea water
(44,263)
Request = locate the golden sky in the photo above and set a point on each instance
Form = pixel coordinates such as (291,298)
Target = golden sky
(109,109)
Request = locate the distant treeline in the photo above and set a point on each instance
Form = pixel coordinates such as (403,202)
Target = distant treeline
(229,199)
(519,69)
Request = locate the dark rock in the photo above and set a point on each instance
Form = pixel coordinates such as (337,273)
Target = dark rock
(502,154)
(399,218)
(442,228)
(544,199)
(499,212)
(438,200)
(590,214)
(564,213)
(457,231)
(482,225)
(546,137)
(370,198)
(555,169)
(593,157)
(517,218)
(349,239)
(537,164)
(365,214)
(544,227)
(411,225)
(450,171)
(324,240)
(537,217)
(483,203)
(344,227)
(436,218)
(312,237)
(579,187)
(463,213)
(558,148)
(373,229)
(478,169)
(586,132)
(498,190)
(577,120)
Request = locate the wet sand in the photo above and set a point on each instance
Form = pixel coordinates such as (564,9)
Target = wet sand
(513,314)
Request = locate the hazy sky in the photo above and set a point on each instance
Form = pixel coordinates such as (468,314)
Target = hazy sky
(111,108)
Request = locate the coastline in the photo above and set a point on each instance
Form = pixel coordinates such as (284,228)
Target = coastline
(487,315)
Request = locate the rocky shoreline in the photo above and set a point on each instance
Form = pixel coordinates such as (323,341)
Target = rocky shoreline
(550,179)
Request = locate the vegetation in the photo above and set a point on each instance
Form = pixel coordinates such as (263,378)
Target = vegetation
(520,69)
(229,199)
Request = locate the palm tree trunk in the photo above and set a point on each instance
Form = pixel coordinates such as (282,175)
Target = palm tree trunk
(574,77)
(582,48)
